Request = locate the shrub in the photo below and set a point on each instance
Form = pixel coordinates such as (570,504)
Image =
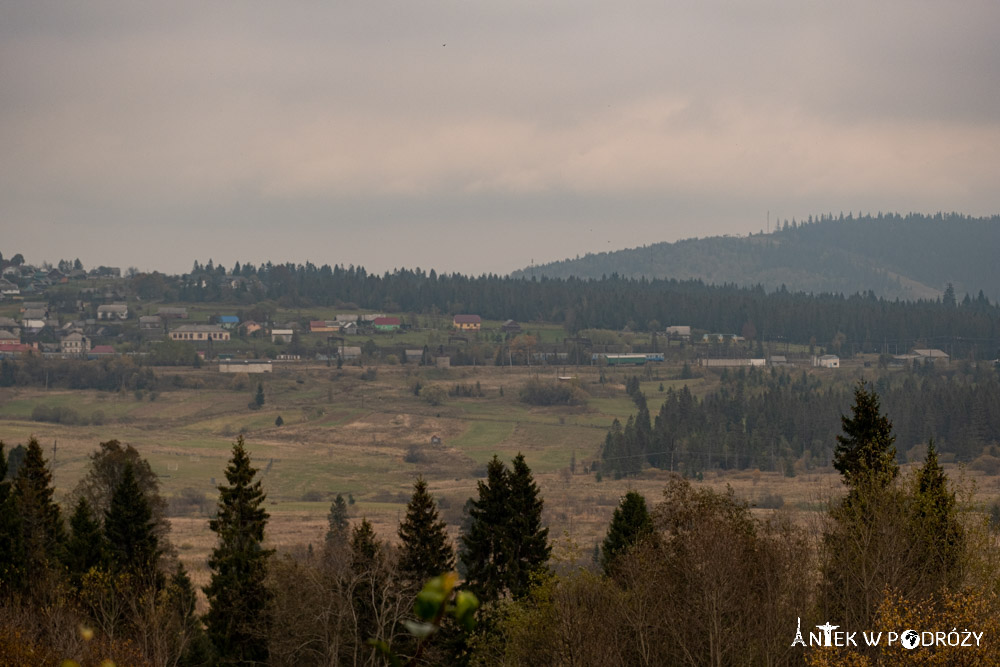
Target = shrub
(434,394)
(541,392)
(987,464)
(41,413)
(414,455)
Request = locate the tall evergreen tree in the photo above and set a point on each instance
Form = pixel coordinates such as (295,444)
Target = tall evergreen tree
(128,530)
(258,398)
(42,527)
(237,595)
(485,552)
(505,545)
(939,538)
(338,525)
(365,549)
(426,550)
(865,453)
(192,648)
(528,539)
(86,547)
(867,546)
(629,524)
(11,544)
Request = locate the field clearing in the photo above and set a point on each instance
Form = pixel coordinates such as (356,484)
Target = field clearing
(370,439)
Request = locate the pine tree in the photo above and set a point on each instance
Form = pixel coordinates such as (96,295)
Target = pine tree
(939,538)
(11,545)
(613,452)
(237,596)
(365,549)
(484,553)
(258,398)
(426,550)
(41,522)
(865,453)
(505,546)
(128,530)
(867,546)
(529,540)
(192,647)
(629,524)
(337,532)
(86,547)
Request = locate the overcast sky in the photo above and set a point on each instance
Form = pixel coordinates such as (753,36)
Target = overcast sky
(476,137)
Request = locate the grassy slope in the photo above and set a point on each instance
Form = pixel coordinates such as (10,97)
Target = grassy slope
(343,435)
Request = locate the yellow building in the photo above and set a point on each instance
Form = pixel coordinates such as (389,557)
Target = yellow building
(199,332)
(468,322)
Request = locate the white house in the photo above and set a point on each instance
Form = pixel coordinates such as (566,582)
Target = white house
(827,361)
(244,366)
(679,332)
(932,354)
(199,332)
(75,344)
(282,335)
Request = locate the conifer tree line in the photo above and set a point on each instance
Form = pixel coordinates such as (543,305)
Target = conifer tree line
(694,577)
(111,570)
(612,302)
(772,419)
(965,323)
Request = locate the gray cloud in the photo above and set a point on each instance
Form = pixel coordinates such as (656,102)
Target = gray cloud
(377,133)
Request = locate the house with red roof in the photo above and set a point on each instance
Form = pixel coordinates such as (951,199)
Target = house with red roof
(386,323)
(324,326)
(14,350)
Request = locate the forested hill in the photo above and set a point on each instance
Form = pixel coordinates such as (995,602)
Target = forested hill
(907,257)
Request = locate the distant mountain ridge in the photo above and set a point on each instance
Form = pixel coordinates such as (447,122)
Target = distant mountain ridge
(909,257)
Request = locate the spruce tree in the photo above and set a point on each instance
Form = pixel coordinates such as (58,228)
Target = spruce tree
(128,530)
(258,398)
(629,524)
(192,647)
(527,538)
(939,538)
(42,528)
(338,525)
(11,544)
(867,546)
(426,550)
(485,550)
(365,549)
(237,595)
(86,547)
(505,546)
(865,453)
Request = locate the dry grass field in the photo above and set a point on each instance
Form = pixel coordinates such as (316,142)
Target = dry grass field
(369,439)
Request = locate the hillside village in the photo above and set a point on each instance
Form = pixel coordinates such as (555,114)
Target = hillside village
(69,312)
